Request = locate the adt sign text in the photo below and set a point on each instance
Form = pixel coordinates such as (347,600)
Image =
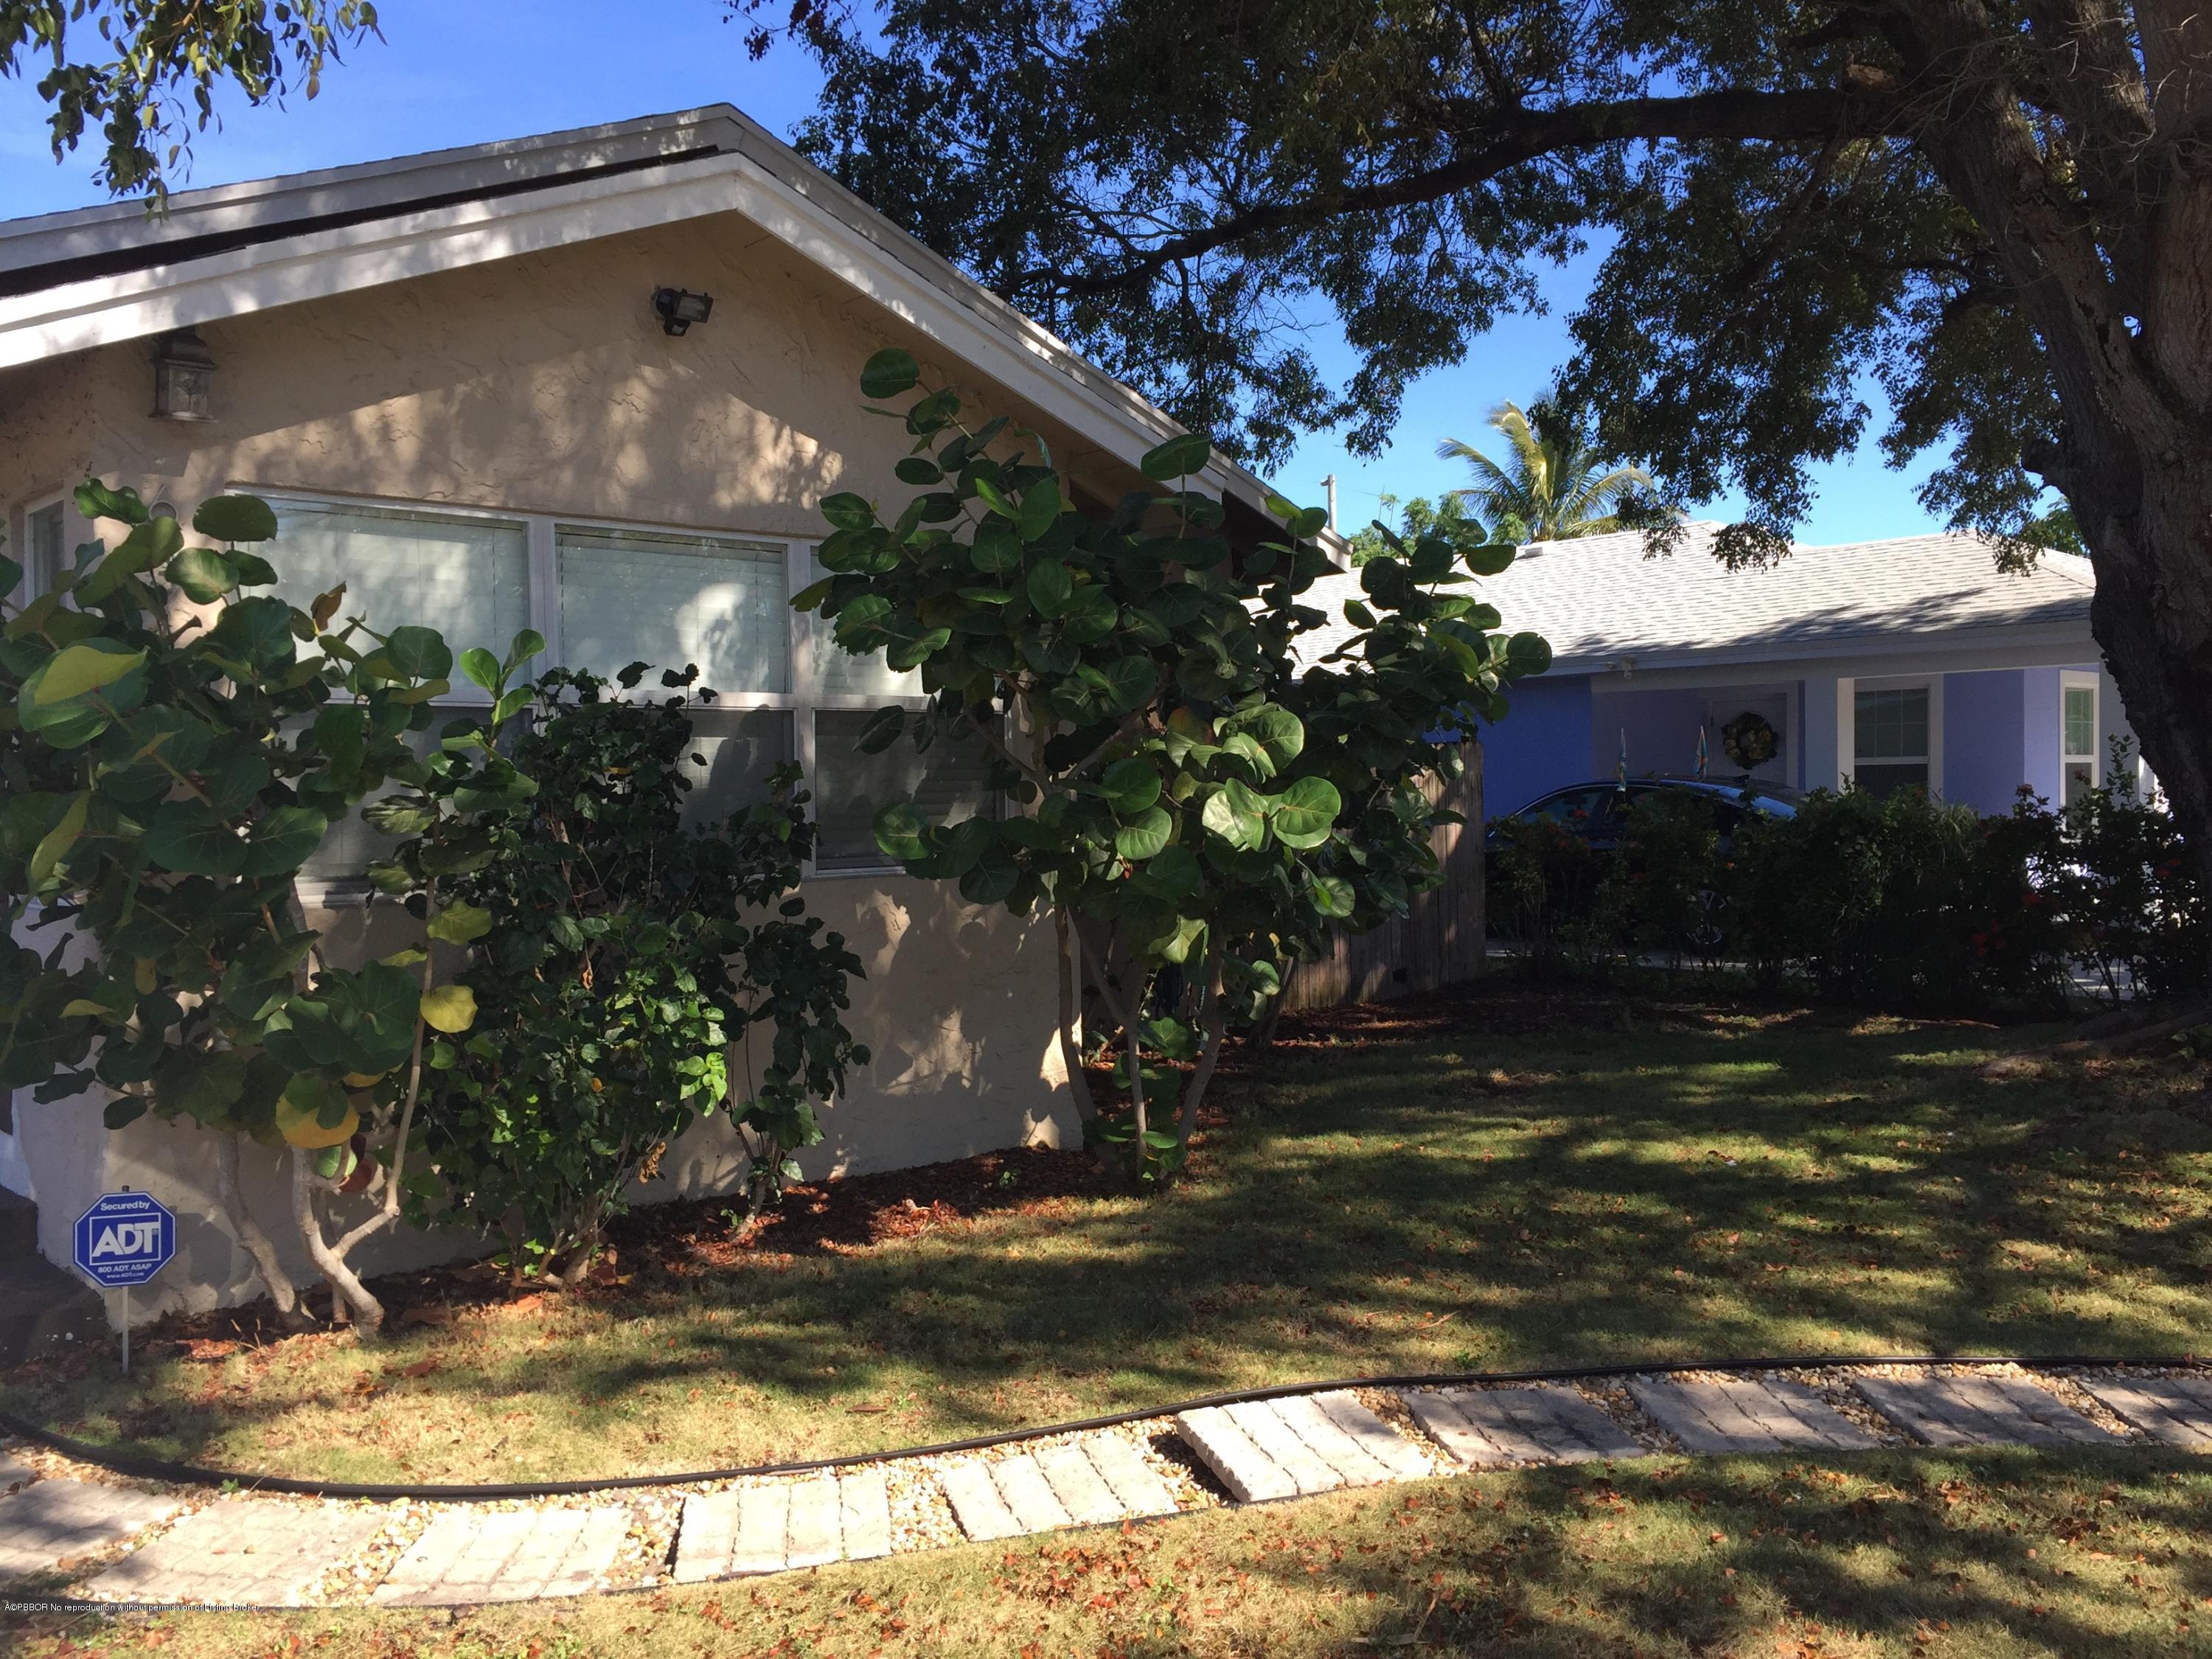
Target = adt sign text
(125,1239)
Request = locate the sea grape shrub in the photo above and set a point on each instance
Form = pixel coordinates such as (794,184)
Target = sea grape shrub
(630,975)
(1192,790)
(176,747)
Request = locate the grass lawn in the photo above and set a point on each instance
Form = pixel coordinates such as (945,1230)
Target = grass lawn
(1997,1552)
(1501,1180)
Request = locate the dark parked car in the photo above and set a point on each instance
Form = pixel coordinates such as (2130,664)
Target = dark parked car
(1592,810)
(1593,813)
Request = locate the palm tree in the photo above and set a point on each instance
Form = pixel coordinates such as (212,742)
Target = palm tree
(1555,485)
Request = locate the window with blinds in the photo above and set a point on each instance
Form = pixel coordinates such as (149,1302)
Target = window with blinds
(467,577)
(2077,757)
(669,600)
(606,596)
(948,782)
(1890,743)
(45,542)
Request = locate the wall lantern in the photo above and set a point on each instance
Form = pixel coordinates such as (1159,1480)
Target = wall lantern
(183,377)
(679,307)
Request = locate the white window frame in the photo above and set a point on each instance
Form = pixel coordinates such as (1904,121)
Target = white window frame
(542,531)
(14,1169)
(2075,679)
(1933,685)
(30,509)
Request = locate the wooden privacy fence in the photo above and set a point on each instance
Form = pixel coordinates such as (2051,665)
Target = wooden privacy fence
(1438,942)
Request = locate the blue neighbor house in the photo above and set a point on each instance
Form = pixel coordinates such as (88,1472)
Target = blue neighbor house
(1891,664)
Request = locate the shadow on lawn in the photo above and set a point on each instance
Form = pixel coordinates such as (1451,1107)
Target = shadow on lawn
(1732,1556)
(1429,1191)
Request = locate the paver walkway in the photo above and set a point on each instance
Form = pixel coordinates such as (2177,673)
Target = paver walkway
(249,1551)
(841,1516)
(1980,1410)
(1287,1448)
(469,1554)
(1748,1414)
(1485,1428)
(1095,1481)
(51,1522)
(2174,1410)
(244,1552)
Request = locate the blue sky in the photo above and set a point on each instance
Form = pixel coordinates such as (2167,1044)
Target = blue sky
(449,73)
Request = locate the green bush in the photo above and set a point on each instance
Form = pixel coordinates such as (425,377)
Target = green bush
(1666,884)
(2130,892)
(617,961)
(175,748)
(1898,902)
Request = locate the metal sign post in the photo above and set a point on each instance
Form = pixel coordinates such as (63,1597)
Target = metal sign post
(125,1239)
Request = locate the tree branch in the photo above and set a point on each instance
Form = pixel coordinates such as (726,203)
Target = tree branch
(1505,139)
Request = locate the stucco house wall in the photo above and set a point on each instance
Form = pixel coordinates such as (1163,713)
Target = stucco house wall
(542,385)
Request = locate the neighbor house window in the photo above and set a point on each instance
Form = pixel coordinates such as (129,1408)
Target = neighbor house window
(605,596)
(2077,755)
(1890,746)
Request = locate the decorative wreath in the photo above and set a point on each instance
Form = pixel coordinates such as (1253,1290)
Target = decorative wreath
(1749,740)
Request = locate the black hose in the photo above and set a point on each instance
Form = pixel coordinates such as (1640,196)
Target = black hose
(155,1468)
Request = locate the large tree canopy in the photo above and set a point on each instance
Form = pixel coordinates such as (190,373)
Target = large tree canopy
(146,72)
(2000,208)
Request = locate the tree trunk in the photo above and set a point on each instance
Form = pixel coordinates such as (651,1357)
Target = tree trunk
(2153,617)
(1213,1026)
(255,1242)
(366,1311)
(1070,1046)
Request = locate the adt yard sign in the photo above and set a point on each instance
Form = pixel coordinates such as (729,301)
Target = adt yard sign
(125,1239)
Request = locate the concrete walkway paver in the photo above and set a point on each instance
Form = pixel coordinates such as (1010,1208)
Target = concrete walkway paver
(246,1552)
(2174,1411)
(864,1511)
(466,1555)
(1539,1423)
(1748,1414)
(835,1515)
(1137,1485)
(1980,1410)
(1299,1444)
(1404,1461)
(1251,1475)
(51,1522)
(977,1505)
(1095,1481)
(1076,1482)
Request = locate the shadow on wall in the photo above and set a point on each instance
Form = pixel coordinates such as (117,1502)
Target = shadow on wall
(958,1011)
(542,384)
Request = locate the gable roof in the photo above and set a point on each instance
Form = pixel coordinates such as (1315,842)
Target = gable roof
(69,281)
(1602,605)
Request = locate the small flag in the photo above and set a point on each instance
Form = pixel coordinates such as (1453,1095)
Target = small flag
(1620,766)
(1701,751)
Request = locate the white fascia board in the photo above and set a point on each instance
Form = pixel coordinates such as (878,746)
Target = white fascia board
(220,208)
(1961,652)
(975,327)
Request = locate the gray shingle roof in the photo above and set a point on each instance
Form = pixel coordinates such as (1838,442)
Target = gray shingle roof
(1599,600)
